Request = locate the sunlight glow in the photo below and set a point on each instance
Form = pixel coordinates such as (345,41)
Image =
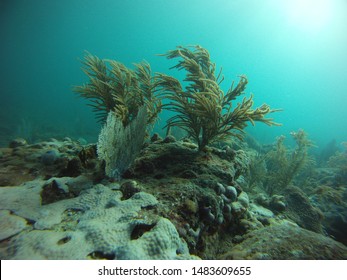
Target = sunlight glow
(309,15)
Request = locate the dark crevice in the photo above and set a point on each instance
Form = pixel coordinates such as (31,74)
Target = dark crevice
(64,240)
(139,230)
(98,255)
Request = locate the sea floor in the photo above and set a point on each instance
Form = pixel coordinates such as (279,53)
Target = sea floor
(173,203)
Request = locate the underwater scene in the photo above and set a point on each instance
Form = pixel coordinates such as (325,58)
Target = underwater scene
(173,130)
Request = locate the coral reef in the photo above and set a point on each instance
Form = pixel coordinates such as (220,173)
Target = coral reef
(332,201)
(124,101)
(339,161)
(286,241)
(300,210)
(172,203)
(316,196)
(27,161)
(329,150)
(97,224)
(277,168)
(201,191)
(256,172)
(205,193)
(203,109)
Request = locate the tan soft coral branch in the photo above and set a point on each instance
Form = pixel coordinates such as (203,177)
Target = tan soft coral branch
(203,109)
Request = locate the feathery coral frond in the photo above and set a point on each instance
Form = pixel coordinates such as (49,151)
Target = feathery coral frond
(114,87)
(203,109)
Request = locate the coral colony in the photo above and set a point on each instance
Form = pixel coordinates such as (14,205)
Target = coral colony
(203,189)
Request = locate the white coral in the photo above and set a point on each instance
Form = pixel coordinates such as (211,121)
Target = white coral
(118,146)
(100,222)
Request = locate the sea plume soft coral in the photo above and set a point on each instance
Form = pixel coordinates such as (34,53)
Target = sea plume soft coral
(202,108)
(114,87)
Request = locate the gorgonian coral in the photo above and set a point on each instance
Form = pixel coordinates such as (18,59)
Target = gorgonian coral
(114,87)
(202,108)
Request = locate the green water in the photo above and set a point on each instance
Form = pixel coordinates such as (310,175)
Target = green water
(293,52)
